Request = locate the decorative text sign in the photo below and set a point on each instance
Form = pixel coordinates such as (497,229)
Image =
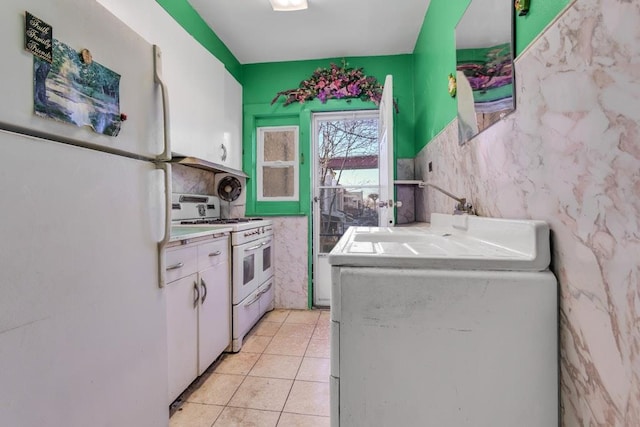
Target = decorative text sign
(38,37)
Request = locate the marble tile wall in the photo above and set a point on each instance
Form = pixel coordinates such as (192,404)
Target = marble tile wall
(188,180)
(406,213)
(291,274)
(291,255)
(570,155)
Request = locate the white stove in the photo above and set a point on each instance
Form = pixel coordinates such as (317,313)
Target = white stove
(252,257)
(202,210)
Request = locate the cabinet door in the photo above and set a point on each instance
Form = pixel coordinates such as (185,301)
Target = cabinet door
(214,327)
(232,121)
(182,333)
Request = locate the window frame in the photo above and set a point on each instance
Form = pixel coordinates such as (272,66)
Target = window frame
(261,163)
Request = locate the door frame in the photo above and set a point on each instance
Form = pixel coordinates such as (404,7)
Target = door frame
(319,260)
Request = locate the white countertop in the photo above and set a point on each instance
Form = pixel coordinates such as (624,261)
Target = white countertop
(191,232)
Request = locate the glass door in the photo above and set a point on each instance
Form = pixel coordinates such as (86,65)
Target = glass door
(346,185)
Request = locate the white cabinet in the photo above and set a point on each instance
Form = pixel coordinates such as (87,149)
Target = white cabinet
(214,316)
(195,84)
(198,309)
(182,334)
(195,80)
(232,135)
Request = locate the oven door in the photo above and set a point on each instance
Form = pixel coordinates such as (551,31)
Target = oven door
(267,270)
(249,260)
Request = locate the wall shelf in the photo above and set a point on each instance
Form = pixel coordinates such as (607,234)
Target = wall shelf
(420,184)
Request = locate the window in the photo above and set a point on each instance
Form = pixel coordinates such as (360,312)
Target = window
(277,169)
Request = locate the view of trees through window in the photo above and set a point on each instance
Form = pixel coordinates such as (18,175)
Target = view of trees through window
(348,178)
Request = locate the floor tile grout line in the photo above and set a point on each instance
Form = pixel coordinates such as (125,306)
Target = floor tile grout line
(247,375)
(302,357)
(294,381)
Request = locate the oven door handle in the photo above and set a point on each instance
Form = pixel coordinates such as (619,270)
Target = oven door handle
(258,246)
(264,291)
(254,300)
(253,248)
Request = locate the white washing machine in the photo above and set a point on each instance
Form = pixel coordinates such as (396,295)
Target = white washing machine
(454,325)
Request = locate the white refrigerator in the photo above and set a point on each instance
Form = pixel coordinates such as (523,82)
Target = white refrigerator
(82,315)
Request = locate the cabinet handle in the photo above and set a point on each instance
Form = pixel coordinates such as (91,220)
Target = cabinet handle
(223,156)
(176,266)
(216,253)
(204,289)
(197,293)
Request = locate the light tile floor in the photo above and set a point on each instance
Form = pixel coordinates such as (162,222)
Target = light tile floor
(280,378)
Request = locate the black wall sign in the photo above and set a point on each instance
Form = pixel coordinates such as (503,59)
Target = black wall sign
(38,37)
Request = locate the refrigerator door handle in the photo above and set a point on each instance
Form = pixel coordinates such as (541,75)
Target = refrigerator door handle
(157,77)
(166,168)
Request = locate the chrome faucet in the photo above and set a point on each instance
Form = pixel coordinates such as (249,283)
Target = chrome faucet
(462,207)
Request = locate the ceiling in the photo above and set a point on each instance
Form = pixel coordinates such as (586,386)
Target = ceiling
(328,28)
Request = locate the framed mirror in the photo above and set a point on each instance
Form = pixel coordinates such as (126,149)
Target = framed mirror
(484,65)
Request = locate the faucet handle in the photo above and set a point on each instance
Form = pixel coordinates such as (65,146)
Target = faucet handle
(463,207)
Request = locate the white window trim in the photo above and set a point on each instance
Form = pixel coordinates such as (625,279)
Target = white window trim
(261,163)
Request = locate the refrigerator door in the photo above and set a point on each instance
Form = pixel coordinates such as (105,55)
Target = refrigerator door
(80,24)
(82,322)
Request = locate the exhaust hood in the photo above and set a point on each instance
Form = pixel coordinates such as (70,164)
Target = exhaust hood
(206,165)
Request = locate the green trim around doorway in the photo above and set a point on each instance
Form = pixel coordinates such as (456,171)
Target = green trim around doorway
(257,115)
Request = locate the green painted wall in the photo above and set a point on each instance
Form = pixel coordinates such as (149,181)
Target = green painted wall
(186,16)
(434,58)
(265,114)
(262,81)
(541,13)
(422,75)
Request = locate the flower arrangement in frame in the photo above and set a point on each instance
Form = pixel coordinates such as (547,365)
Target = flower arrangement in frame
(335,82)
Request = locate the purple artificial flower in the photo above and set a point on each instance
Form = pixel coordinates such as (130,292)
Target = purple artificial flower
(353,89)
(322,95)
(340,93)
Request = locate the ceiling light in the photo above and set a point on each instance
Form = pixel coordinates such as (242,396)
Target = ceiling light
(288,5)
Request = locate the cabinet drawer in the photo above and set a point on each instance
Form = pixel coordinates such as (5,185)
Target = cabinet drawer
(180,262)
(213,253)
(246,314)
(267,296)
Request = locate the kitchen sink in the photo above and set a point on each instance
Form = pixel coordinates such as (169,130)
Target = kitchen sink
(449,242)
